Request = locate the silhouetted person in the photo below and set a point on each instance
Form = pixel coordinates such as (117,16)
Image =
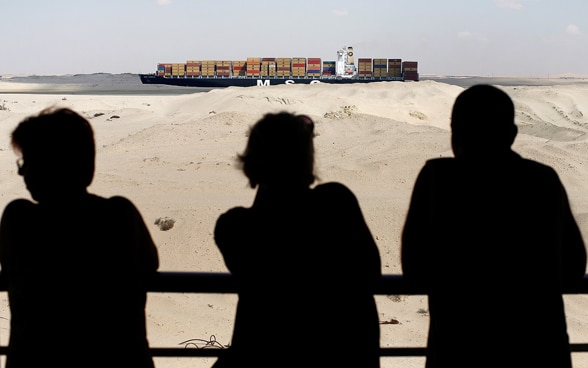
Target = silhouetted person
(304,259)
(491,236)
(75,263)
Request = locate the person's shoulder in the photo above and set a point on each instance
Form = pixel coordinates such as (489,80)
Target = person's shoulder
(234,212)
(19,205)
(334,190)
(439,166)
(117,200)
(118,204)
(18,214)
(440,161)
(231,219)
(538,167)
(233,215)
(332,187)
(536,164)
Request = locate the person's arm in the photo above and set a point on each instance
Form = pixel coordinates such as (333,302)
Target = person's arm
(12,220)
(369,255)
(415,234)
(140,236)
(225,234)
(355,232)
(573,247)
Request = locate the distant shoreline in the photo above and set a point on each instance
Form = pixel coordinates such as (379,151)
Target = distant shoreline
(130,84)
(506,81)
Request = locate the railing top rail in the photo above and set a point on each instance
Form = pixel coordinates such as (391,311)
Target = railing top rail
(223,282)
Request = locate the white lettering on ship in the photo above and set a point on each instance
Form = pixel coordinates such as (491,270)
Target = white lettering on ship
(287,81)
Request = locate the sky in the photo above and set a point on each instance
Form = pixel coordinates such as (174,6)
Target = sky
(530,38)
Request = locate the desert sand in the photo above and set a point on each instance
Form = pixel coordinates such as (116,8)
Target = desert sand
(173,154)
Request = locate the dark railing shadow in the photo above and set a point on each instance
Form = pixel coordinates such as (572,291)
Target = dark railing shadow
(223,283)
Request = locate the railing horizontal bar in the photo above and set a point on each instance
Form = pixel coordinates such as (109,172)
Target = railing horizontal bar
(214,352)
(187,352)
(384,352)
(220,282)
(579,347)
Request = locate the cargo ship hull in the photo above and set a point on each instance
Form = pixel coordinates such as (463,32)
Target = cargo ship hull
(222,82)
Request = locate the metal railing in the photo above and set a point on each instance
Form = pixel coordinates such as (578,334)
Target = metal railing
(223,283)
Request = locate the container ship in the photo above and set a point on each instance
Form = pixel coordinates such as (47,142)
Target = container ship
(266,71)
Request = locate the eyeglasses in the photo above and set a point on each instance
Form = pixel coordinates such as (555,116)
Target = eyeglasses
(20,165)
(308,122)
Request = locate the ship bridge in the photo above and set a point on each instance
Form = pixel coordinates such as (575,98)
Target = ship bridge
(345,64)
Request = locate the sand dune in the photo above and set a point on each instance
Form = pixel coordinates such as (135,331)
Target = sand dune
(173,156)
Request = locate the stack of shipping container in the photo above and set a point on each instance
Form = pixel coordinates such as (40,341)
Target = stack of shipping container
(394,68)
(410,71)
(253,66)
(239,68)
(207,68)
(192,68)
(380,68)
(298,67)
(314,68)
(329,68)
(364,68)
(268,67)
(284,67)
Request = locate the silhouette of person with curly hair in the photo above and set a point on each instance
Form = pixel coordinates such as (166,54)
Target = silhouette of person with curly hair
(303,257)
(76,264)
(490,235)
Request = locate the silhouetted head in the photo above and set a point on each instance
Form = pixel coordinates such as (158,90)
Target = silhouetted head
(280,150)
(482,121)
(57,153)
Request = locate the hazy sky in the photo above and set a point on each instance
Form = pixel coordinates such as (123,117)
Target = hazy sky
(452,37)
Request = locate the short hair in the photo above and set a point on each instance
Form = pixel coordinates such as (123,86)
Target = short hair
(61,139)
(483,116)
(280,149)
